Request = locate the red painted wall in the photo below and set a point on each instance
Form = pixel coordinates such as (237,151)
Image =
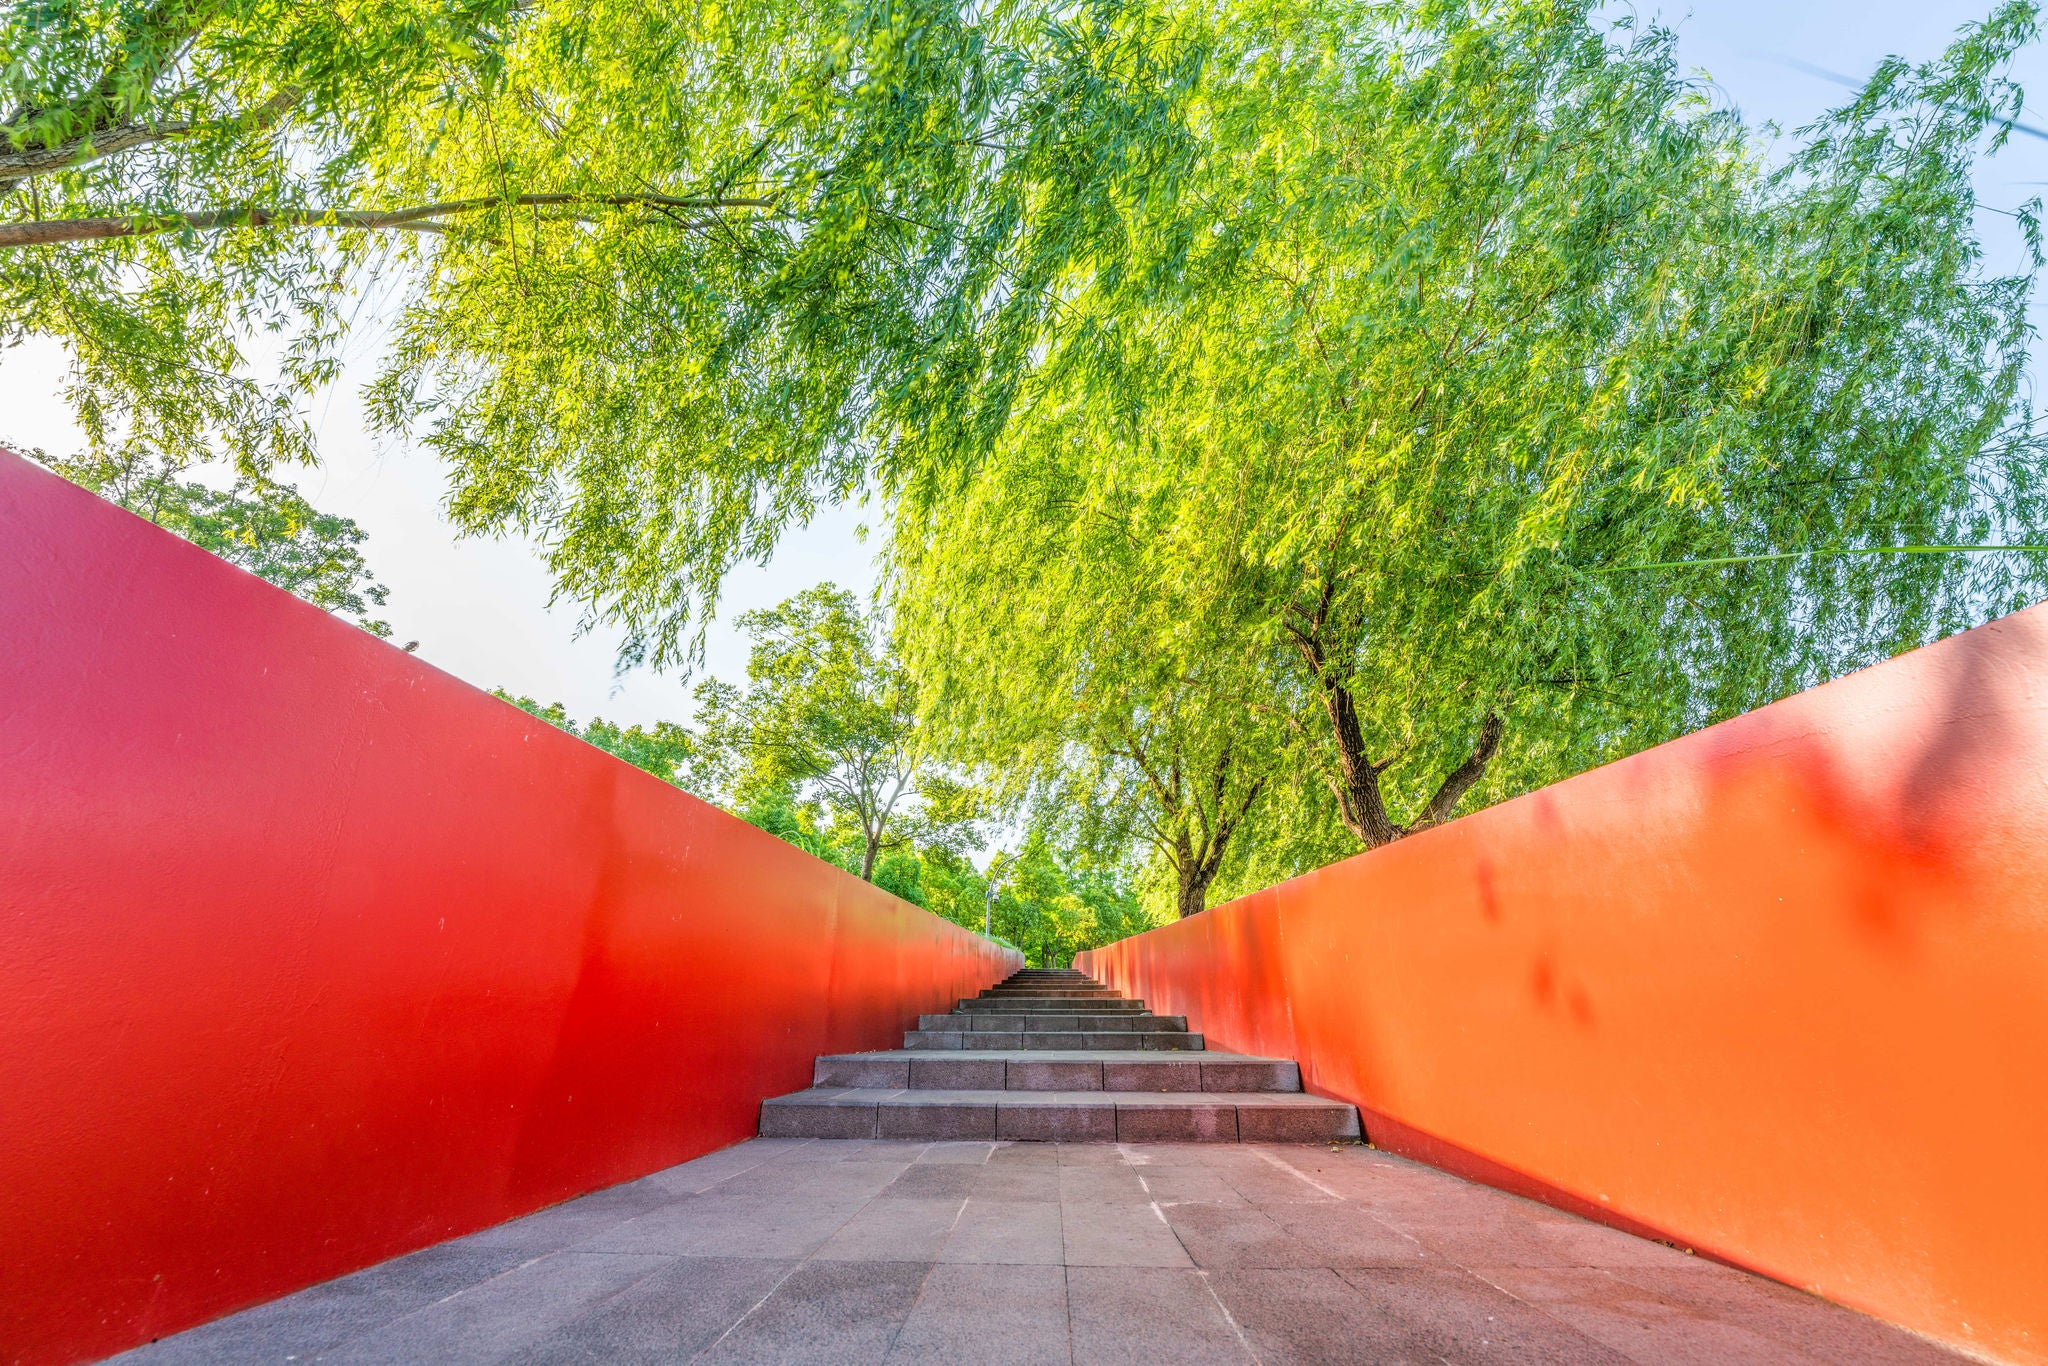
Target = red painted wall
(1778,989)
(311,954)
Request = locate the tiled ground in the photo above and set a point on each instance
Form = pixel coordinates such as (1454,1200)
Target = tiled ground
(788,1250)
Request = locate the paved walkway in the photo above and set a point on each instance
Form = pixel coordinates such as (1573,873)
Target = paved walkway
(788,1250)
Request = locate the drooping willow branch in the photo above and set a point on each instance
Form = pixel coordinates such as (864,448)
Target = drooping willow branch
(1817,554)
(19,164)
(422,218)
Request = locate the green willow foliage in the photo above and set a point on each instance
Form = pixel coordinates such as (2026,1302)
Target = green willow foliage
(162,164)
(670,274)
(1459,315)
(1278,398)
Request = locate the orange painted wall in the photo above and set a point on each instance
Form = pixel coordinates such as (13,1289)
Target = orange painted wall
(311,955)
(1778,989)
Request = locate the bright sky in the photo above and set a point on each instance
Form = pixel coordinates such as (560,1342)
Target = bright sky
(479,608)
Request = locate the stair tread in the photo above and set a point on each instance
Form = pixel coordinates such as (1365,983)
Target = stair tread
(1165,1057)
(1035,1036)
(854,1095)
(1139,1041)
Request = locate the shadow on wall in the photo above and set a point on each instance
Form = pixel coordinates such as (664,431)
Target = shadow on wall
(1777,990)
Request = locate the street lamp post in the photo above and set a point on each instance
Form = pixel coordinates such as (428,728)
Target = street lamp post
(988,908)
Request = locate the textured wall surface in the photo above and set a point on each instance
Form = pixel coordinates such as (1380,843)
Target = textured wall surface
(1778,990)
(311,954)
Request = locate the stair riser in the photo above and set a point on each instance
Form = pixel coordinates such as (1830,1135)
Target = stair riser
(1112,1072)
(1048,1121)
(980,1007)
(1029,993)
(1156,1072)
(1003,1039)
(962,1021)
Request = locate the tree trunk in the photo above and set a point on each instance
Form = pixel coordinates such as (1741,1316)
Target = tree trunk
(1360,803)
(867,858)
(1444,804)
(1193,890)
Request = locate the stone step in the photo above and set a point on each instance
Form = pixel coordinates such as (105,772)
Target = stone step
(1054,988)
(1065,998)
(1000,992)
(1039,1021)
(1064,1116)
(983,1039)
(1119,1006)
(1042,1070)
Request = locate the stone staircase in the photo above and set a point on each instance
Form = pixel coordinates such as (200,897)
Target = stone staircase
(1051,1054)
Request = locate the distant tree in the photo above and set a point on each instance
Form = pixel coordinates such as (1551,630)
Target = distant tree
(828,716)
(261,526)
(1084,696)
(664,749)
(1052,900)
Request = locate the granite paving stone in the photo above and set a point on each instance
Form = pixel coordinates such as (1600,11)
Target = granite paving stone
(1092,1182)
(1152,1074)
(1054,1074)
(1670,1324)
(666,1317)
(967,1251)
(971,1154)
(1187,1185)
(870,1150)
(1802,1325)
(296,1327)
(1221,1236)
(935,1181)
(1448,1314)
(715,1168)
(1306,1315)
(575,1220)
(1347,1234)
(709,1226)
(1120,1235)
(987,1316)
(1014,1232)
(895,1230)
(495,1318)
(1139,1316)
(938,1120)
(824,1314)
(959,1074)
(1046,1155)
(1057,1116)
(1139,1122)
(1019,1180)
(863,1072)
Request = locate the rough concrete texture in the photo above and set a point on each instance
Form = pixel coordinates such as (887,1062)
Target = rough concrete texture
(794,1250)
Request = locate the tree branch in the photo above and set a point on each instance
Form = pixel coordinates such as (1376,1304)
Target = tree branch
(22,164)
(1444,804)
(423,218)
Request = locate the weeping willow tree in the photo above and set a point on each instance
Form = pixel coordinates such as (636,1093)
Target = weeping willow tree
(175,180)
(657,278)
(1403,346)
(1477,403)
